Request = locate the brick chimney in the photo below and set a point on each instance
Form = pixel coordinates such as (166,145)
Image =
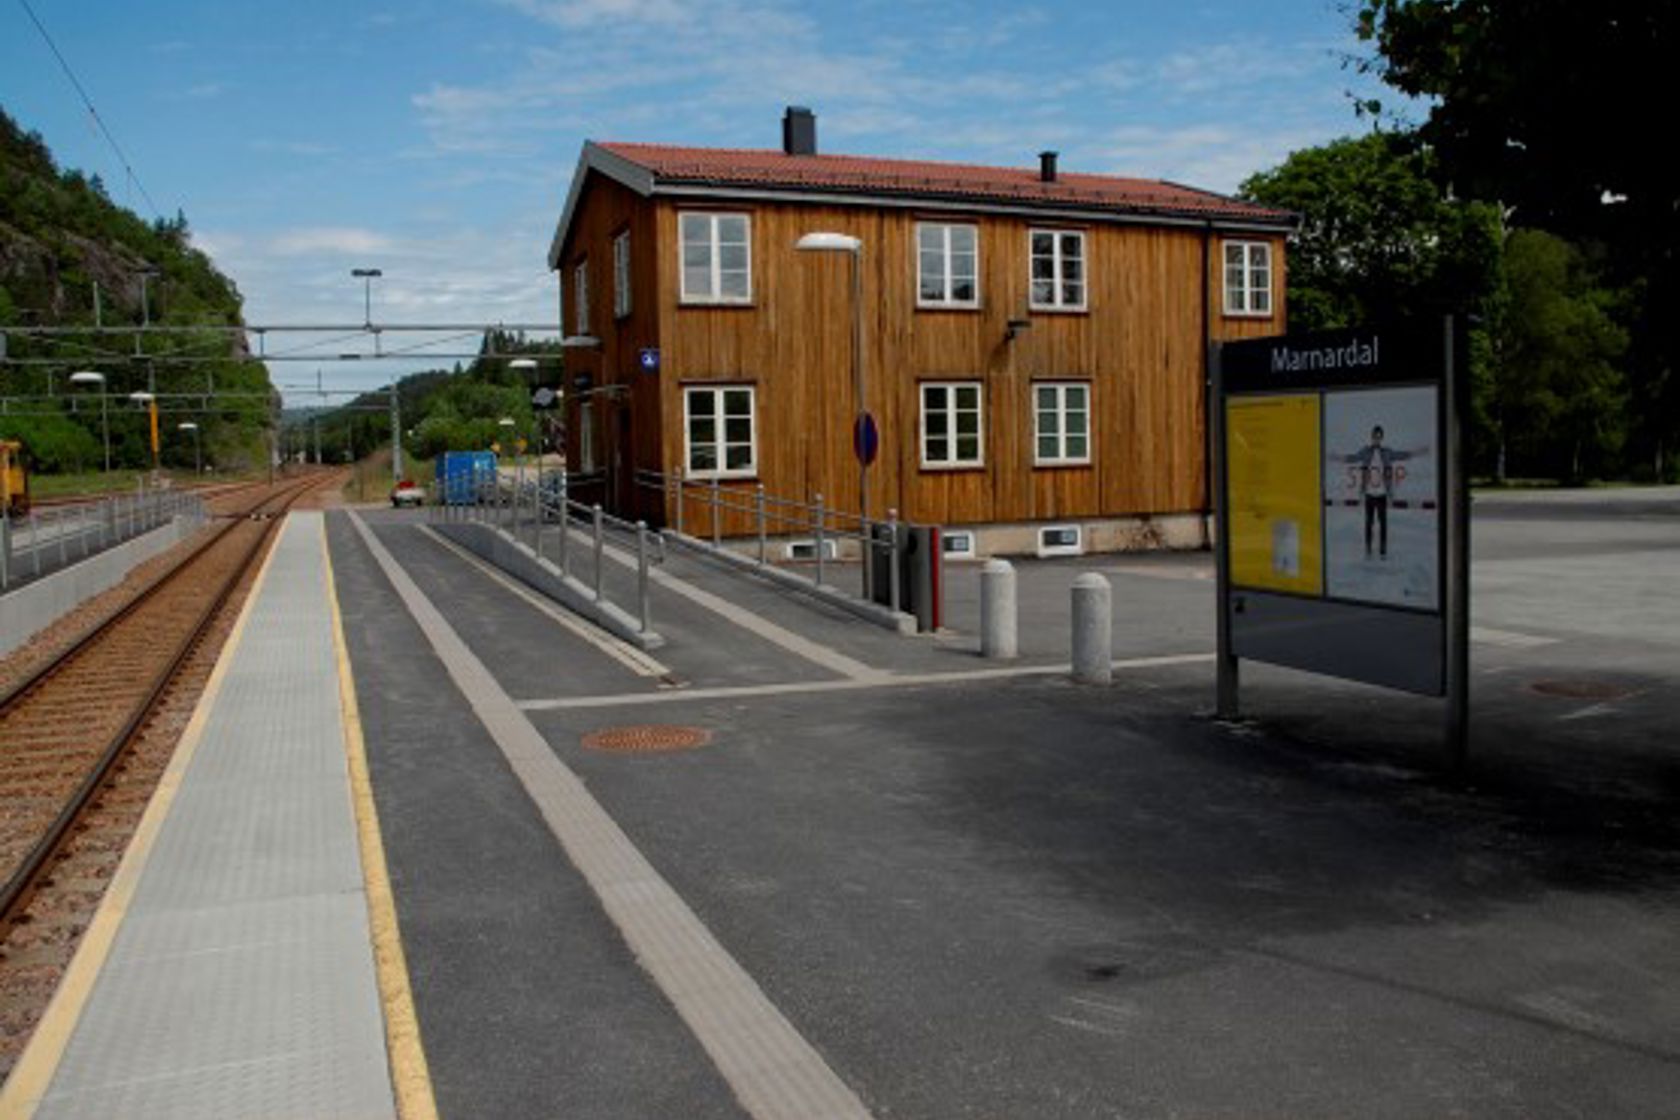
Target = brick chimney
(799,131)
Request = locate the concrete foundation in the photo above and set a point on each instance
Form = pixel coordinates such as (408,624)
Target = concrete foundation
(1144,533)
(29,609)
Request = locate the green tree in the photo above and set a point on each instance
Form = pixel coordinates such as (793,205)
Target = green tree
(55,443)
(1378,238)
(1560,395)
(60,235)
(1546,107)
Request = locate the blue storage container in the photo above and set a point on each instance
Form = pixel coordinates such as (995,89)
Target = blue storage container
(460,474)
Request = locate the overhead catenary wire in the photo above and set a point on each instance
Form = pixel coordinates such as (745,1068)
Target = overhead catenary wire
(99,122)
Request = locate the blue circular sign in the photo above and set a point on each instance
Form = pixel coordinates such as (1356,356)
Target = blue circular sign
(866,438)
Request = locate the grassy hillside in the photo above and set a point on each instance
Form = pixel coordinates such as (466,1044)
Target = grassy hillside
(61,239)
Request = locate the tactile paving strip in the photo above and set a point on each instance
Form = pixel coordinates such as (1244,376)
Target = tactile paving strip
(241,982)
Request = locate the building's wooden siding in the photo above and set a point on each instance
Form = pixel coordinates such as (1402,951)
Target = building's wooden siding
(625,399)
(1140,345)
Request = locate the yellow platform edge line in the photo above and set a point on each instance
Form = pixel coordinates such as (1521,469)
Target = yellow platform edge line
(411,1079)
(32,1076)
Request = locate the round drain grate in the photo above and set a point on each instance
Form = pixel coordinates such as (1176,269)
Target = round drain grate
(647,737)
(1581,690)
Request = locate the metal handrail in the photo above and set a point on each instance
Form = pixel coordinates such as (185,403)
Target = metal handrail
(718,499)
(660,480)
(492,493)
(88,527)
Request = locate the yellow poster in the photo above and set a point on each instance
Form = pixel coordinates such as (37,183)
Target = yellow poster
(1275,490)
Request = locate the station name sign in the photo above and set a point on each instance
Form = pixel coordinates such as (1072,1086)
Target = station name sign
(1358,352)
(1389,352)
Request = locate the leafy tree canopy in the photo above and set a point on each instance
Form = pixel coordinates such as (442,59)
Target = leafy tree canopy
(1378,238)
(1553,109)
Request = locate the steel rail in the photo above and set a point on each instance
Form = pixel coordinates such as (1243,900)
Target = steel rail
(76,646)
(21,884)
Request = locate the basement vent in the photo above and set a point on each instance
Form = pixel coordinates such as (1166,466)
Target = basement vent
(807,550)
(1061,540)
(957,545)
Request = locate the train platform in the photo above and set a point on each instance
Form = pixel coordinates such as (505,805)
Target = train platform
(230,970)
(792,865)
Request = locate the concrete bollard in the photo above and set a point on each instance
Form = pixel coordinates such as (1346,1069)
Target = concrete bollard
(997,610)
(1093,629)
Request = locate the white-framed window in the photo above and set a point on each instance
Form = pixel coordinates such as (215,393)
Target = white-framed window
(1057,276)
(953,429)
(719,431)
(947,265)
(621,275)
(1061,422)
(716,263)
(580,297)
(1248,278)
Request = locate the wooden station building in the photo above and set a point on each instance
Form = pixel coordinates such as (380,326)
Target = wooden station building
(1035,341)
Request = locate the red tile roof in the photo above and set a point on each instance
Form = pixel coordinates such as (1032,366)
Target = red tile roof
(773,169)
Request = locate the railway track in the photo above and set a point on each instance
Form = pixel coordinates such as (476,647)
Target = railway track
(66,726)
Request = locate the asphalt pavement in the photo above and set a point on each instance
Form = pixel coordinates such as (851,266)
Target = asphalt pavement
(982,890)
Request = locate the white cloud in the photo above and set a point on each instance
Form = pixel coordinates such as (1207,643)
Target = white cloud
(436,273)
(328,239)
(1215,157)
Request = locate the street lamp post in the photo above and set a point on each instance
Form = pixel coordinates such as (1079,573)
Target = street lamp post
(198,458)
(142,397)
(853,246)
(524,366)
(367,276)
(507,425)
(93,377)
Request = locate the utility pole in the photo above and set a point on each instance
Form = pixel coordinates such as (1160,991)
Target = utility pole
(396,435)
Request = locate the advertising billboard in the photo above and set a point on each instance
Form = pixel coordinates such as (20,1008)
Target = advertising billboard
(1276,534)
(1382,507)
(1342,518)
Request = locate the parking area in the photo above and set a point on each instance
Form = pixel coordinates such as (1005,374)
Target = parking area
(978,889)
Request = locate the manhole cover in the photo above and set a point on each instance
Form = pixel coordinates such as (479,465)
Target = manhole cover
(647,737)
(1581,690)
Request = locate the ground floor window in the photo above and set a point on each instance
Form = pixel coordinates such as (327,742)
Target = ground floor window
(721,438)
(1061,422)
(952,433)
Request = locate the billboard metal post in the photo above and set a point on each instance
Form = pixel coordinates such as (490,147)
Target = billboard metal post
(1226,701)
(1454,401)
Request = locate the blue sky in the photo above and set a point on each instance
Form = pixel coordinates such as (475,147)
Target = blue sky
(435,139)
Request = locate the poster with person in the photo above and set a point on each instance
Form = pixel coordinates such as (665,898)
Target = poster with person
(1382,514)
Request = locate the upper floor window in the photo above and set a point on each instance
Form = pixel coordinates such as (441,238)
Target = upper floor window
(1248,278)
(1058,269)
(580,297)
(621,275)
(952,435)
(718,427)
(716,258)
(947,265)
(1061,422)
